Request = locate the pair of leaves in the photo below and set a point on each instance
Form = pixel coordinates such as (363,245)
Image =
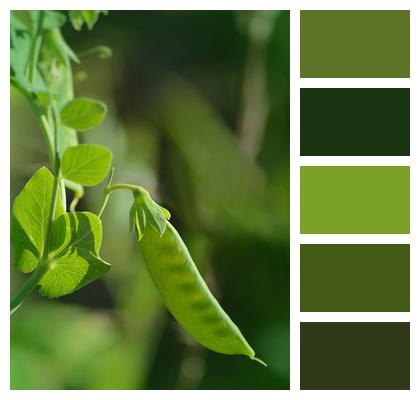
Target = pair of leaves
(73,259)
(145,211)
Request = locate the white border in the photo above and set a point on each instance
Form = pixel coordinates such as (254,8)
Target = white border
(295,161)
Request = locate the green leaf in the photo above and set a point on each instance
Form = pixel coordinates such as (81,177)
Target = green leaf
(76,19)
(76,231)
(29,222)
(75,260)
(86,164)
(90,17)
(83,114)
(80,17)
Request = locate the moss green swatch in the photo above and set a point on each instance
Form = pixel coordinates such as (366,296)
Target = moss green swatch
(355,200)
(355,277)
(355,356)
(355,44)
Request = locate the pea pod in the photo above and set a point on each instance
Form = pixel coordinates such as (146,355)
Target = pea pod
(180,284)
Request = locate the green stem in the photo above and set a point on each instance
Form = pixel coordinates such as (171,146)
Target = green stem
(106,194)
(103,51)
(126,186)
(27,288)
(42,268)
(42,119)
(119,186)
(35,49)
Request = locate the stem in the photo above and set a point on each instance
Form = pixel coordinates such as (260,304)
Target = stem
(42,267)
(27,288)
(125,186)
(106,194)
(42,119)
(255,105)
(119,186)
(102,51)
(36,47)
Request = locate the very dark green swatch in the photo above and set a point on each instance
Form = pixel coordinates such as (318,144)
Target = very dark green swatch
(355,122)
(355,44)
(355,355)
(354,277)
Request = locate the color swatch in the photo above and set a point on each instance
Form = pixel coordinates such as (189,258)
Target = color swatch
(355,277)
(355,355)
(355,200)
(355,122)
(355,44)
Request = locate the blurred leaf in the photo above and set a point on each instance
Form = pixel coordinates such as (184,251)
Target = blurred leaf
(229,190)
(87,164)
(83,114)
(57,346)
(80,17)
(51,19)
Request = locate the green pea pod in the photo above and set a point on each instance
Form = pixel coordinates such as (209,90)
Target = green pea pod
(180,284)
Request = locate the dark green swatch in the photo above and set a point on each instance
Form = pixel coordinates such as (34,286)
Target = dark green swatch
(355,44)
(355,122)
(355,355)
(355,200)
(354,277)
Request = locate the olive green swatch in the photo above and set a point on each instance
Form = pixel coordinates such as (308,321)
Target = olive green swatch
(355,355)
(355,122)
(355,44)
(355,277)
(355,200)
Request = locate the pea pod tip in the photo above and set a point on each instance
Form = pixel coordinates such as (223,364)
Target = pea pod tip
(259,361)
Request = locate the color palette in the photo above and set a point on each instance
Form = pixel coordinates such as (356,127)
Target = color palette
(355,199)
(350,131)
(355,355)
(355,44)
(355,277)
(355,122)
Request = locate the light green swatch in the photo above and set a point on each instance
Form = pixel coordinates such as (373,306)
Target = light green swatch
(355,200)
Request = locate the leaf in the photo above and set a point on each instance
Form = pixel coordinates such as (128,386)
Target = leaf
(83,114)
(64,274)
(97,268)
(90,17)
(30,216)
(76,19)
(86,164)
(76,231)
(75,254)
(80,17)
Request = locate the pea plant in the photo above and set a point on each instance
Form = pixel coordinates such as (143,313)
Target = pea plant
(62,248)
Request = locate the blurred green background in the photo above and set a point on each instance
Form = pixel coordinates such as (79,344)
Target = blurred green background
(199,115)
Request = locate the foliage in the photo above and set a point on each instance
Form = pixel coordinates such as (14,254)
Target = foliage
(62,248)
